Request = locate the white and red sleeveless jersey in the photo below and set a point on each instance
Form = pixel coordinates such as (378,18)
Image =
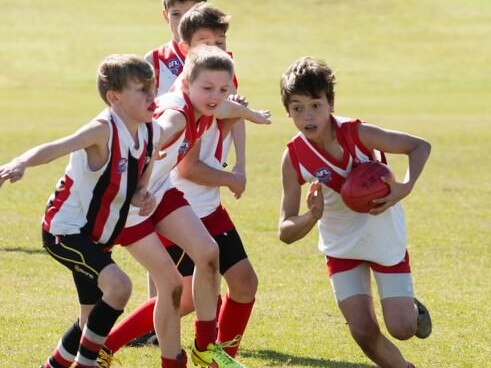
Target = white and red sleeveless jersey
(168,62)
(97,202)
(213,152)
(175,150)
(344,233)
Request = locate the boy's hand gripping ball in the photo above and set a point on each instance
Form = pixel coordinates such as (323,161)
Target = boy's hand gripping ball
(364,184)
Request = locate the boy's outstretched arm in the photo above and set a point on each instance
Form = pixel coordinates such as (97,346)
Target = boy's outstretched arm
(417,150)
(93,136)
(231,109)
(293,226)
(192,168)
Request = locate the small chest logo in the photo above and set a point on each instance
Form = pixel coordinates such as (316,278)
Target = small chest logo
(323,175)
(174,65)
(122,164)
(185,145)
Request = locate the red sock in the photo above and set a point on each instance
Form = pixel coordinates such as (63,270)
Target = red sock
(137,323)
(205,332)
(179,362)
(233,321)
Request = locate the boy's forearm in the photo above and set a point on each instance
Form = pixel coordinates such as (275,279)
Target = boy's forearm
(38,155)
(295,228)
(417,160)
(201,173)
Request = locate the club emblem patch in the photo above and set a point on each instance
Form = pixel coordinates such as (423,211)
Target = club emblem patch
(185,145)
(323,175)
(174,65)
(122,165)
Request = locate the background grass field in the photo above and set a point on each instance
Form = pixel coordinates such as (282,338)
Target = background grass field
(419,66)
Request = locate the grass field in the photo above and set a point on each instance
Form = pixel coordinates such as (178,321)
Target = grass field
(419,66)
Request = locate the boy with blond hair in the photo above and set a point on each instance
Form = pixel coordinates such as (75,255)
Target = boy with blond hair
(199,176)
(184,116)
(110,163)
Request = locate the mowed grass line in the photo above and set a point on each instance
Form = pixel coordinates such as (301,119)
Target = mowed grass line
(419,67)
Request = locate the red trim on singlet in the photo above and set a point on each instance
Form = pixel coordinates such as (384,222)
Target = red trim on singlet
(336,265)
(112,189)
(321,169)
(60,197)
(295,161)
(166,53)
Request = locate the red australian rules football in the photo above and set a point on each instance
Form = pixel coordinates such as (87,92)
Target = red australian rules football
(364,184)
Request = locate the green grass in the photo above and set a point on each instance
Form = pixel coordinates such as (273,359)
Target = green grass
(423,67)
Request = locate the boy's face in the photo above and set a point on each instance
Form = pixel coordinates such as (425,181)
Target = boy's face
(135,103)
(210,37)
(310,115)
(208,90)
(174,14)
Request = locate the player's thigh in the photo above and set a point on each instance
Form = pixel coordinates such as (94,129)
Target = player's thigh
(84,258)
(232,252)
(150,253)
(185,228)
(351,282)
(183,262)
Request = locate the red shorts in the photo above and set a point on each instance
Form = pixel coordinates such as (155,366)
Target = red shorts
(217,223)
(171,201)
(335,265)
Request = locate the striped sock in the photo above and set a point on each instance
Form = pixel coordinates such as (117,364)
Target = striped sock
(99,323)
(64,354)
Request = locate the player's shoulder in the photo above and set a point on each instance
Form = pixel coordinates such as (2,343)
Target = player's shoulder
(173,99)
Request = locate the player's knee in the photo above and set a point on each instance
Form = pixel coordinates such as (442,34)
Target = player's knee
(208,257)
(118,289)
(402,329)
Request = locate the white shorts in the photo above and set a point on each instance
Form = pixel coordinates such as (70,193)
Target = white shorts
(356,281)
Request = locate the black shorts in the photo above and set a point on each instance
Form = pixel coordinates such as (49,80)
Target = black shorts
(231,252)
(84,258)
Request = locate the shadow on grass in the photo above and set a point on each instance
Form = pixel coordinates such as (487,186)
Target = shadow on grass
(39,250)
(281,359)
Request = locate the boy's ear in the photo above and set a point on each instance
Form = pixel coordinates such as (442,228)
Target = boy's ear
(165,15)
(112,97)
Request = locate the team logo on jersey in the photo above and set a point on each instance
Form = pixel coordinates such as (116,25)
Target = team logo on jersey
(122,165)
(185,145)
(323,175)
(174,65)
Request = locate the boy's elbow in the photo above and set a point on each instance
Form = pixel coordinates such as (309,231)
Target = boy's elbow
(428,147)
(283,236)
